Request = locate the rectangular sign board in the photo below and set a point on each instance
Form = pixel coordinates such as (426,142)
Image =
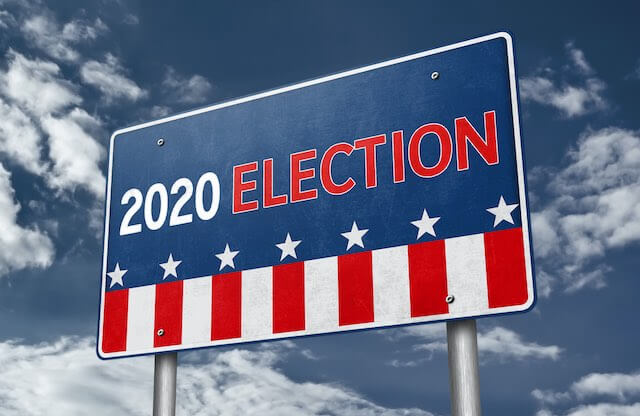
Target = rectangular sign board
(386,195)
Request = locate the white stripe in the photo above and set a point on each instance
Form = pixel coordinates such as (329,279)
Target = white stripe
(140,318)
(196,310)
(321,295)
(257,303)
(467,274)
(391,300)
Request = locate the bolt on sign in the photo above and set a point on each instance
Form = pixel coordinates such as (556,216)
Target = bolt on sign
(385,195)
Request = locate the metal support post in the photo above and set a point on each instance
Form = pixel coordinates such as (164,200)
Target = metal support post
(164,384)
(462,343)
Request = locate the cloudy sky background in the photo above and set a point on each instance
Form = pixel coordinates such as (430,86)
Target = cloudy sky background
(72,72)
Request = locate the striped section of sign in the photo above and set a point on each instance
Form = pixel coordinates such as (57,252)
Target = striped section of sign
(482,273)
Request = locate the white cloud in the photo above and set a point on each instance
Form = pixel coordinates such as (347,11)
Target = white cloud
(433,340)
(594,206)
(20,247)
(44,31)
(96,217)
(131,19)
(618,386)
(81,30)
(599,409)
(39,100)
(546,397)
(159,111)
(432,346)
(186,90)
(407,363)
(606,409)
(504,344)
(6,20)
(68,379)
(571,100)
(20,139)
(496,343)
(615,385)
(428,332)
(37,85)
(544,283)
(74,153)
(109,77)
(578,59)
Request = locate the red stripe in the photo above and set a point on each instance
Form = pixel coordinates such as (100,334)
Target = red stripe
(288,297)
(428,278)
(506,272)
(168,315)
(114,320)
(226,306)
(355,288)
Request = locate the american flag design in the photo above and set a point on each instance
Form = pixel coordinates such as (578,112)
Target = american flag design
(386,195)
(429,281)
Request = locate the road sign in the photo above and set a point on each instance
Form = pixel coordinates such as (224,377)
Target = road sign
(385,195)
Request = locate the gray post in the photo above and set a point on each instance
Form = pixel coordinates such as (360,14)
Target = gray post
(164,384)
(462,343)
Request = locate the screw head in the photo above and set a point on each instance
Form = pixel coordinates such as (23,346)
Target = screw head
(449,298)
(160,142)
(435,75)
(160,332)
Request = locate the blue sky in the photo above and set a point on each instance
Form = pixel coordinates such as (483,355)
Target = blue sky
(72,72)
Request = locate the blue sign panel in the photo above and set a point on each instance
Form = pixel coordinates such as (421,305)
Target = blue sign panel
(424,148)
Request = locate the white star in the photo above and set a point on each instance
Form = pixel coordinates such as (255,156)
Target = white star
(288,247)
(425,224)
(170,267)
(226,258)
(502,212)
(354,237)
(116,275)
